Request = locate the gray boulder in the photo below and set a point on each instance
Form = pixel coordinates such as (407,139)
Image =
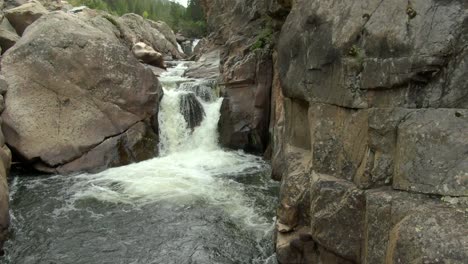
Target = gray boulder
(164,28)
(207,67)
(148,55)
(71,88)
(135,28)
(8,35)
(24,15)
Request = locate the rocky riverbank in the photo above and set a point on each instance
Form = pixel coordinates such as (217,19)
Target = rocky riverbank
(79,88)
(362,107)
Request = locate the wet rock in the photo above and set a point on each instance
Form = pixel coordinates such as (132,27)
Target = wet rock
(136,144)
(432,152)
(23,16)
(192,110)
(71,87)
(148,55)
(202,89)
(156,71)
(290,248)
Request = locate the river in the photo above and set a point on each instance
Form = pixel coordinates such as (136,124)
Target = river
(196,203)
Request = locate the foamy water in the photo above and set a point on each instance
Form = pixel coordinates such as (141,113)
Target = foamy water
(197,203)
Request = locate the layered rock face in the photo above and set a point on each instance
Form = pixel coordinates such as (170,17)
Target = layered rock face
(368,122)
(5,163)
(376,104)
(246,72)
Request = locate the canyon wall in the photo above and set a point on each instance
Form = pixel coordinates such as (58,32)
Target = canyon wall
(367,120)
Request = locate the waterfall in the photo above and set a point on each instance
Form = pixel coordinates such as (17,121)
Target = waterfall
(191,109)
(195,199)
(189,113)
(179,48)
(204,89)
(195,43)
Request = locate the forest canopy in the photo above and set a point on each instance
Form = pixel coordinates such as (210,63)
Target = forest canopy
(189,21)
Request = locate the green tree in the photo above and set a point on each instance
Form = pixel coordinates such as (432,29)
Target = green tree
(190,21)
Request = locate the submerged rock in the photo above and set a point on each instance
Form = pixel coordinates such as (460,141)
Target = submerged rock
(202,89)
(192,110)
(71,88)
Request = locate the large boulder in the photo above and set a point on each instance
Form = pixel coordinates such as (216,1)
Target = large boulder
(24,15)
(72,87)
(164,28)
(148,55)
(206,67)
(8,35)
(135,28)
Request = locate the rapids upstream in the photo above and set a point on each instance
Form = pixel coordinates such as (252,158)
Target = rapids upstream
(196,203)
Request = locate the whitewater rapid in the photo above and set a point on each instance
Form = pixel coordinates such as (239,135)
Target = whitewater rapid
(195,203)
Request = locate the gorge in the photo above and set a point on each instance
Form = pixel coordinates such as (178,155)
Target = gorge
(305,131)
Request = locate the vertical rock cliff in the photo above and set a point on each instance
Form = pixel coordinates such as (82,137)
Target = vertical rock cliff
(364,104)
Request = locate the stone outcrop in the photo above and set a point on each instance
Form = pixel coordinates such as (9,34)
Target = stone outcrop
(367,121)
(8,35)
(5,163)
(246,69)
(374,97)
(76,93)
(134,28)
(24,15)
(148,55)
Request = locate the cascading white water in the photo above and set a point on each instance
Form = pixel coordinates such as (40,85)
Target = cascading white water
(190,165)
(179,48)
(196,203)
(175,136)
(195,43)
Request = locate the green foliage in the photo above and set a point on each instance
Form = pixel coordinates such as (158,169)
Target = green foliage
(111,19)
(193,29)
(264,39)
(190,21)
(357,53)
(94,4)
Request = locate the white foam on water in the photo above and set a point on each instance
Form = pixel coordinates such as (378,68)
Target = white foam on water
(195,43)
(179,48)
(192,167)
